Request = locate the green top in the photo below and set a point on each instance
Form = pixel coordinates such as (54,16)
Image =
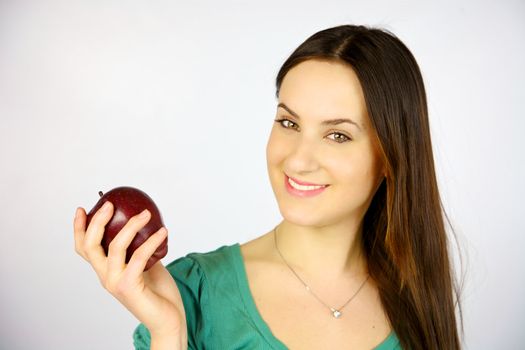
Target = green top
(220,310)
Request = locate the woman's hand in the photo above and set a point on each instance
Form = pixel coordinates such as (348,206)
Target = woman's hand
(152,296)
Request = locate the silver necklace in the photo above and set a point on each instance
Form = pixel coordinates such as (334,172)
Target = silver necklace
(336,312)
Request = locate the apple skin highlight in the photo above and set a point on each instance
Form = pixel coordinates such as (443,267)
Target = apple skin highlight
(128,202)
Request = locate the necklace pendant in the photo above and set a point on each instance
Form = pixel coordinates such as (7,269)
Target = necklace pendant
(336,313)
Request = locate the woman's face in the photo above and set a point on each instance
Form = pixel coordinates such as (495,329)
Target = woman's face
(322,139)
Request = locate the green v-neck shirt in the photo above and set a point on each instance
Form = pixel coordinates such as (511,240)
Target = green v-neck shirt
(220,310)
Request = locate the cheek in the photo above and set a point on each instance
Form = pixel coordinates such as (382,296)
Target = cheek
(358,168)
(275,149)
(343,168)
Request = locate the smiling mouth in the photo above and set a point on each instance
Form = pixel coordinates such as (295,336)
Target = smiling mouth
(301,186)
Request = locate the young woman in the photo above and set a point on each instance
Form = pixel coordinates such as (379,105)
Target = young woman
(360,259)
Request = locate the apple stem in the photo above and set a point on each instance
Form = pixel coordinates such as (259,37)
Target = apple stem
(100,193)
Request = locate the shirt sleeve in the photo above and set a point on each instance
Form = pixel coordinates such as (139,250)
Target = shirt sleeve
(193,288)
(141,338)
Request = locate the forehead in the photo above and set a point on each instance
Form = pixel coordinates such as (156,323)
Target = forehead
(320,88)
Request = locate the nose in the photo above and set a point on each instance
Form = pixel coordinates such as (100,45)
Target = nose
(303,157)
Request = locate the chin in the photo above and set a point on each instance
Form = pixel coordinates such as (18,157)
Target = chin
(302,217)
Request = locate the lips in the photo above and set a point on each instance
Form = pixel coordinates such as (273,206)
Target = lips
(301,188)
(302,182)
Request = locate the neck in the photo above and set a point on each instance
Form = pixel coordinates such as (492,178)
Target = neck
(333,251)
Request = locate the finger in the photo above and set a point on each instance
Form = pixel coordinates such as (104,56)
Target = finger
(119,245)
(157,278)
(94,233)
(140,257)
(79,224)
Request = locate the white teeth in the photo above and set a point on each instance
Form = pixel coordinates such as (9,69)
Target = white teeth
(302,187)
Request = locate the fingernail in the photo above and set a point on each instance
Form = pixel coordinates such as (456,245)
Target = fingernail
(144,214)
(77,212)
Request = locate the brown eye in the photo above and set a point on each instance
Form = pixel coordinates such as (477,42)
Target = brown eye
(339,137)
(286,123)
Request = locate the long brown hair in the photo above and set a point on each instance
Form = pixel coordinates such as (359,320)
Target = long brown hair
(403,231)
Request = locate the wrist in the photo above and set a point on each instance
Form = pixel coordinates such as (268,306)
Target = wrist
(167,342)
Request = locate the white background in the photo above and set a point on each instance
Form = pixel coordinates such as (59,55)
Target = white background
(178,100)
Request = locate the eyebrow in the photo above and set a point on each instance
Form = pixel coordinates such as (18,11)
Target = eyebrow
(324,122)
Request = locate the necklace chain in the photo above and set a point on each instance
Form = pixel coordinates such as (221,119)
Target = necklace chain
(336,312)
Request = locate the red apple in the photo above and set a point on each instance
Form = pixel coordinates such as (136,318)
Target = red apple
(127,202)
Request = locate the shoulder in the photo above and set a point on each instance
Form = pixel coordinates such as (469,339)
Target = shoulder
(212,258)
(201,263)
(258,249)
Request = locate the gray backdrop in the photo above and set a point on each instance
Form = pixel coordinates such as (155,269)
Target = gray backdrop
(178,100)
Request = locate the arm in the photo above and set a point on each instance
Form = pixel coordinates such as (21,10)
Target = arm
(151,296)
(169,342)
